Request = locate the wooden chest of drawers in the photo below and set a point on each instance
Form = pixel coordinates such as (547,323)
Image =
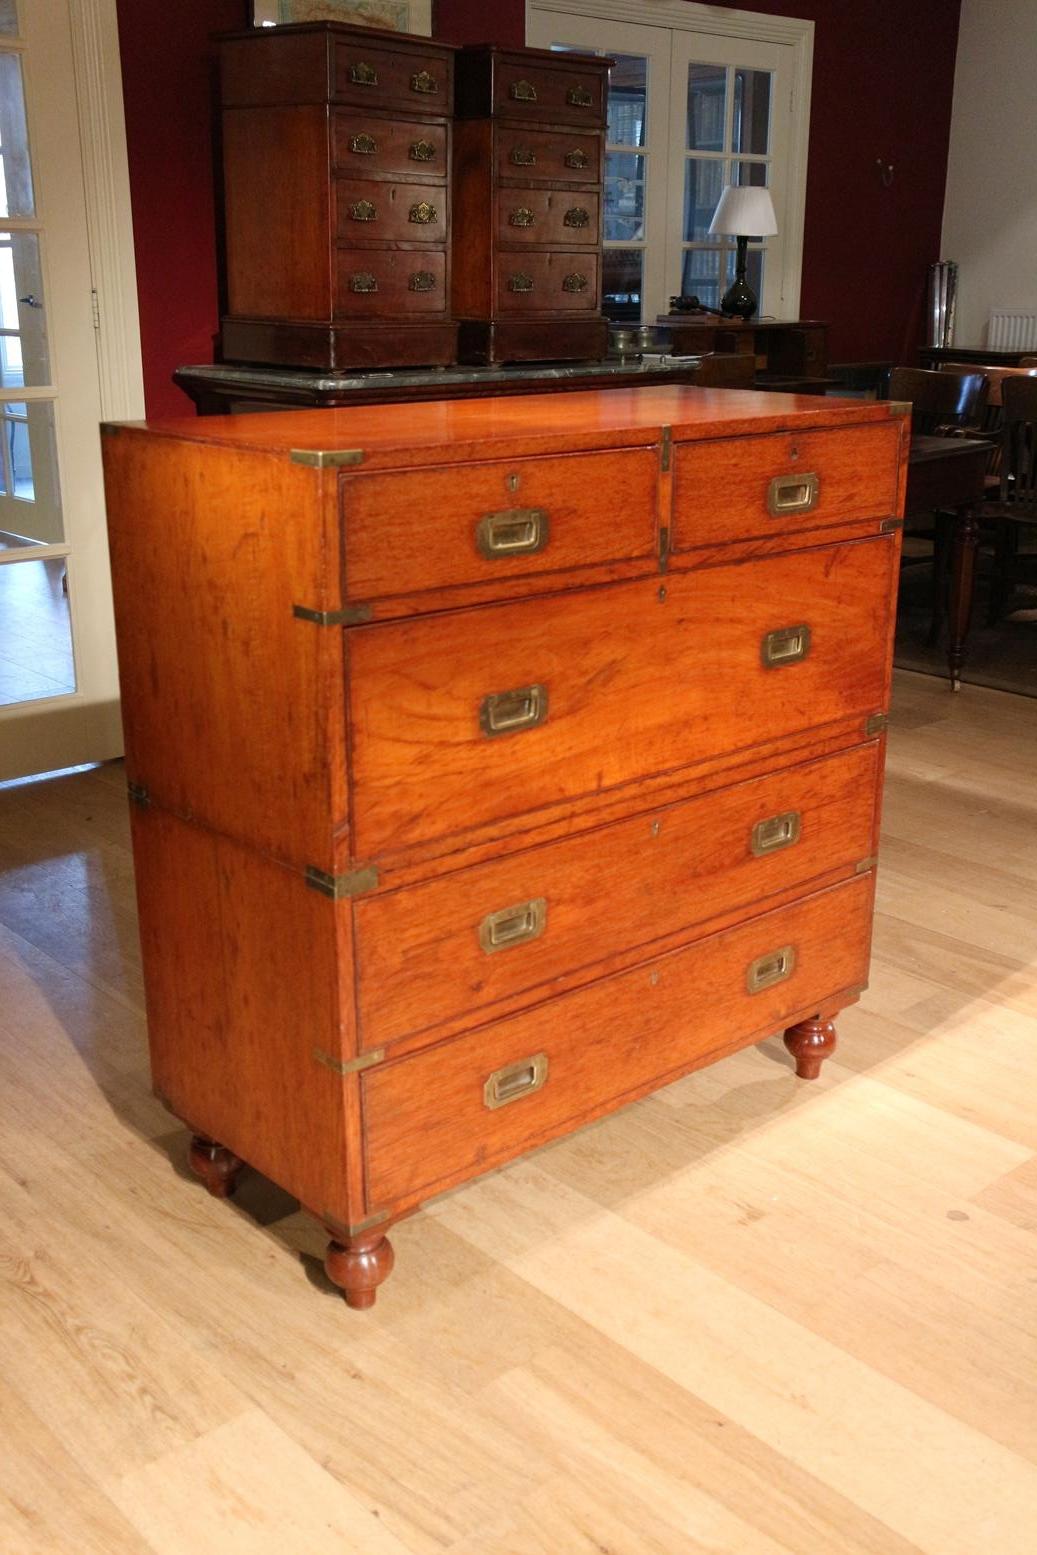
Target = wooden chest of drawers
(336,159)
(528,186)
(494,764)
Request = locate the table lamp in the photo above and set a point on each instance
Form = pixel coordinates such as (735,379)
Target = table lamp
(743,213)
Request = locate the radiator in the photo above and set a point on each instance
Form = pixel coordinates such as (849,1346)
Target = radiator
(1012,329)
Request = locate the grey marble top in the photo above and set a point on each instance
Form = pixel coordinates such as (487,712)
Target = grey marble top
(631,367)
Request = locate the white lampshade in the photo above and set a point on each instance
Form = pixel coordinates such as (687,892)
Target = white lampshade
(744,212)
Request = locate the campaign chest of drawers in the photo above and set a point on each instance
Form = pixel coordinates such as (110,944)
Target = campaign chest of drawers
(528,188)
(336,172)
(494,763)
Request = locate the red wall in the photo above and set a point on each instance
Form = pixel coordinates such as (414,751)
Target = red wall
(883,77)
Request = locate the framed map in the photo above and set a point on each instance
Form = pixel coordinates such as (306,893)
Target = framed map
(395,15)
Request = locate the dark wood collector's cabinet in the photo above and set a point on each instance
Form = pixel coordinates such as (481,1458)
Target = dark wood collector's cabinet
(336,158)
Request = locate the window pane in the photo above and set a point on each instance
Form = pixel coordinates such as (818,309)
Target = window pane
(30,498)
(16,197)
(707,93)
(24,357)
(752,173)
(622,272)
(35,638)
(703,185)
(701,275)
(8,16)
(624,196)
(752,111)
(628,100)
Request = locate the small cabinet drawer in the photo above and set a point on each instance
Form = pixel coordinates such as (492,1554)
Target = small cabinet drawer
(558,282)
(408,533)
(375,76)
(741,488)
(369,147)
(440,1116)
(559,155)
(555,94)
(370,283)
(551,217)
(372,211)
(448,948)
(636,679)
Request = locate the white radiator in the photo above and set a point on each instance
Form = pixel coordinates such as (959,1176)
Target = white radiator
(1012,329)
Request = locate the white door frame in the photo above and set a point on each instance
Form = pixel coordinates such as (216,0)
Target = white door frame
(794,32)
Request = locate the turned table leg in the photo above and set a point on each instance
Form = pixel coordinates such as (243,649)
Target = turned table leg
(810,1043)
(359,1265)
(217,1166)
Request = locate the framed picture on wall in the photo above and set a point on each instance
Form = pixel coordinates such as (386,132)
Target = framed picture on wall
(394,15)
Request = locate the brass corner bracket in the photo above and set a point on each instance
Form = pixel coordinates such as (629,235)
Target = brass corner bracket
(349,615)
(326,458)
(339,886)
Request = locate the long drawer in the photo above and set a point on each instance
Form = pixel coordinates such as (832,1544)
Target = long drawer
(440,1116)
(370,147)
(372,210)
(372,282)
(478,715)
(563,280)
(552,217)
(450,947)
(561,155)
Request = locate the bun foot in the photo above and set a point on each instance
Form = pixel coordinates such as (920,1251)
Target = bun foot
(217,1166)
(810,1043)
(359,1266)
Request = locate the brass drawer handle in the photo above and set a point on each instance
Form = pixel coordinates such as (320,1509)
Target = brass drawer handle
(362,210)
(363,281)
(522,92)
(512,532)
(577,159)
(422,281)
(579,97)
(577,217)
(770,969)
(792,494)
(575,283)
(513,926)
(523,217)
(788,645)
(514,1081)
(521,156)
(512,712)
(363,145)
(422,151)
(423,214)
(775,833)
(423,82)
(520,283)
(362,74)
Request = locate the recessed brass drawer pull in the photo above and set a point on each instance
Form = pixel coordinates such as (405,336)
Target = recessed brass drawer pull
(775,833)
(786,646)
(513,925)
(512,532)
(792,494)
(514,1081)
(522,92)
(772,968)
(579,97)
(512,712)
(363,75)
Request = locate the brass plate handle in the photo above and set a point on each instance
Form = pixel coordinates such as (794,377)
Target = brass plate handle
(788,645)
(363,145)
(422,281)
(423,214)
(522,217)
(575,283)
(422,81)
(770,969)
(792,494)
(775,833)
(513,926)
(422,151)
(579,97)
(514,1081)
(512,532)
(363,281)
(363,210)
(520,283)
(522,156)
(362,74)
(577,159)
(522,92)
(577,217)
(512,712)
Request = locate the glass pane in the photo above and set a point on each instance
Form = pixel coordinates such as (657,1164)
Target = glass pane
(752,173)
(707,95)
(8,16)
(701,275)
(30,498)
(628,100)
(35,633)
(752,111)
(16,197)
(24,357)
(622,271)
(703,185)
(624,196)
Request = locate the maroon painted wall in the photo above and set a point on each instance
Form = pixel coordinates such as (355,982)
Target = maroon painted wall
(883,79)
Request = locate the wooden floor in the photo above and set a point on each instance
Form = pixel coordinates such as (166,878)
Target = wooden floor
(749,1315)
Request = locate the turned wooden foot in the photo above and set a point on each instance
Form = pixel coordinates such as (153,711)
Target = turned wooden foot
(359,1266)
(217,1166)
(810,1043)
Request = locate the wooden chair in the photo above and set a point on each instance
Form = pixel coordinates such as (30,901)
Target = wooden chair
(1014,507)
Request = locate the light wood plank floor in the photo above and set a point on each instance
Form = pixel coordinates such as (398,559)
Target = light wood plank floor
(749,1315)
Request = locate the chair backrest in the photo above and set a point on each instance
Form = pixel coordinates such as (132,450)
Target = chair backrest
(1019,443)
(995,376)
(940,401)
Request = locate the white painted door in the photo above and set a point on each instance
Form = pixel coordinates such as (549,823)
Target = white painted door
(58,677)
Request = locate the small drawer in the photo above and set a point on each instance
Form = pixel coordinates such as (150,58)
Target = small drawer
(555,94)
(741,488)
(372,283)
(437,528)
(559,155)
(369,147)
(373,211)
(374,76)
(558,282)
(549,217)
(445,949)
(637,679)
(437,1117)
